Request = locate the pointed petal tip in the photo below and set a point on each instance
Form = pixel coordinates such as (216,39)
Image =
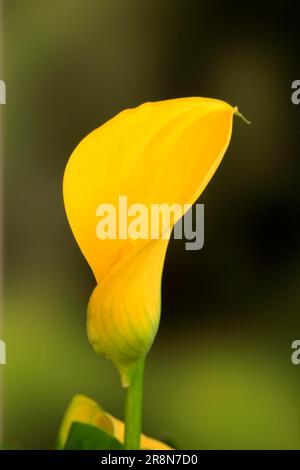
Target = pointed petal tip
(241,116)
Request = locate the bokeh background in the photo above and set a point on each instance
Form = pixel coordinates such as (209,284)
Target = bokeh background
(219,375)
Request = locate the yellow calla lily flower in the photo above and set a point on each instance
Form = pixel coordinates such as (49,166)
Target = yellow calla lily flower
(84,410)
(158,153)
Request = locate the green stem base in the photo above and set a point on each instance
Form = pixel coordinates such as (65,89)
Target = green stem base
(133,409)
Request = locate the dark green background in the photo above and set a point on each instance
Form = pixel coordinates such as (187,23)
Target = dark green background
(219,374)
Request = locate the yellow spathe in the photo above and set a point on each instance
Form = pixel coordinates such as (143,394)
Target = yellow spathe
(84,410)
(160,152)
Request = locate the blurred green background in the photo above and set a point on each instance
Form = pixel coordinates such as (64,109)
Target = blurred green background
(219,375)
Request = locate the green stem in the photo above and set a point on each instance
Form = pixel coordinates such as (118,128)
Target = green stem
(133,409)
